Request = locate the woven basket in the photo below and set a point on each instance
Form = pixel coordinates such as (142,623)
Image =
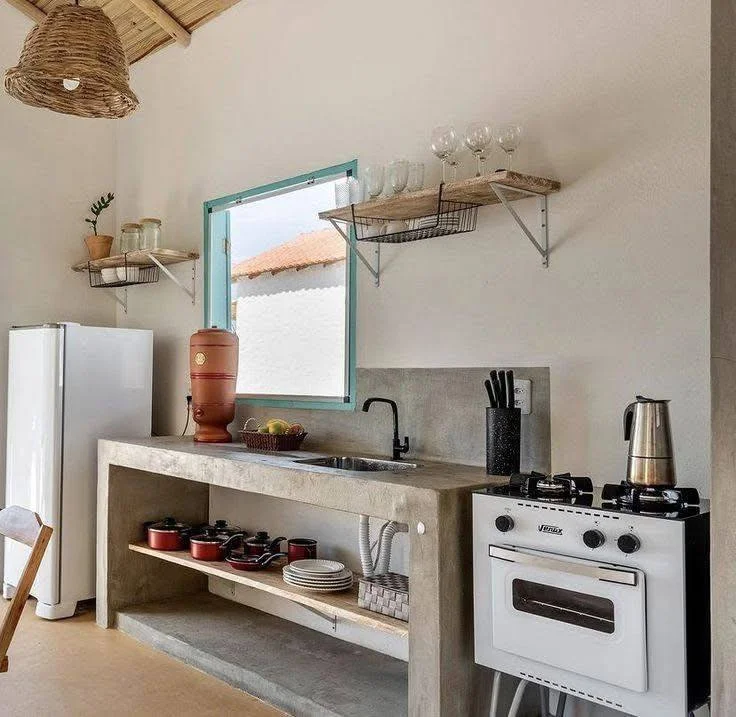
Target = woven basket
(78,43)
(269,441)
(387,594)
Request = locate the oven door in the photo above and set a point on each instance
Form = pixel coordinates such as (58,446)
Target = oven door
(578,615)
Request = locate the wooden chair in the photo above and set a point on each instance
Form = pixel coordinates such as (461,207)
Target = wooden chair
(25,527)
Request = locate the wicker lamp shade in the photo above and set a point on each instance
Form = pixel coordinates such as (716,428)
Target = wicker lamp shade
(76,44)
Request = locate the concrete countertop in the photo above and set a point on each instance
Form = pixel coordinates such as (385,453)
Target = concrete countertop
(392,494)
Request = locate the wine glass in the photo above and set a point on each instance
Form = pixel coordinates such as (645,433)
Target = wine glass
(444,144)
(478,136)
(398,175)
(375,178)
(508,137)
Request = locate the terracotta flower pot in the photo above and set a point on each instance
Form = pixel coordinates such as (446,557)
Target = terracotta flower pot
(99,246)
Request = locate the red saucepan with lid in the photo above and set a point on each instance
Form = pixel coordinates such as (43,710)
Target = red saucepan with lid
(242,561)
(262,543)
(223,528)
(168,534)
(210,545)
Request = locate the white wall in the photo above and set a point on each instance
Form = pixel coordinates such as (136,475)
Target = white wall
(51,169)
(614,101)
(291,328)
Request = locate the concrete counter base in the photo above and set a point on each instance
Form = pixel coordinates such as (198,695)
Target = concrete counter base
(289,666)
(146,480)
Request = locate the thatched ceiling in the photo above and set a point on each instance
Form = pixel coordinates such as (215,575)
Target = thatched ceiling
(144,26)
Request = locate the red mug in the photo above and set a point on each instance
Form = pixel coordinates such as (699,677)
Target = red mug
(302,549)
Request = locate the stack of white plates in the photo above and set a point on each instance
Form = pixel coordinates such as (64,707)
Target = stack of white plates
(323,576)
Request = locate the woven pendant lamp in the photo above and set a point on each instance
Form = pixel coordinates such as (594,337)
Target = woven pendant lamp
(73,63)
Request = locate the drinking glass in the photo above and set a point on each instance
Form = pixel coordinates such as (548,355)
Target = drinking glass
(375,178)
(416,176)
(355,190)
(398,175)
(478,136)
(508,137)
(342,194)
(444,144)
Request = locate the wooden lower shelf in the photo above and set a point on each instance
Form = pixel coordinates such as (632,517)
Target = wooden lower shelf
(343,605)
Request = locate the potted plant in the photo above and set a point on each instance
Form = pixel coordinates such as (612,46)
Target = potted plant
(99,245)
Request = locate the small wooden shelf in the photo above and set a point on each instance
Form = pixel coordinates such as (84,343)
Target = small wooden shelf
(422,203)
(343,605)
(141,257)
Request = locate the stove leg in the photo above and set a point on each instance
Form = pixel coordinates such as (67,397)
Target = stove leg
(544,695)
(544,700)
(518,695)
(561,700)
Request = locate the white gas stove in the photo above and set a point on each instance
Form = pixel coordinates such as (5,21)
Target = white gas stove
(603,596)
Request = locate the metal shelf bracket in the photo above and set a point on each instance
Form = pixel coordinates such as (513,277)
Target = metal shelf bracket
(122,302)
(352,245)
(542,246)
(191,293)
(332,619)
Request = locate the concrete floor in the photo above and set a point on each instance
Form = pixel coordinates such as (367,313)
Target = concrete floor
(72,668)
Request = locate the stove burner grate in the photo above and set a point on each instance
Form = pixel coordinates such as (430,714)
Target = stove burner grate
(560,487)
(649,500)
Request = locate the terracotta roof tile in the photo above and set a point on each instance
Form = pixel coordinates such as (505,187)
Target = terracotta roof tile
(325,246)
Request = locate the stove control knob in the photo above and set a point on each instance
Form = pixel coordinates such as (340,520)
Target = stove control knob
(594,538)
(628,543)
(504,523)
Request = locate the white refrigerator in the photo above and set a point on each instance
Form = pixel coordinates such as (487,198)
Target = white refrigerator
(68,385)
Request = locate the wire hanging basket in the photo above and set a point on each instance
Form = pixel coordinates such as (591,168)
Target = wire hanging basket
(73,62)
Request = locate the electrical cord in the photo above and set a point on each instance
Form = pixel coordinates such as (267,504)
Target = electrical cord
(189,413)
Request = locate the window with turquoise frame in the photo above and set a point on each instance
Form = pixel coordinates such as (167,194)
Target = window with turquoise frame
(285,282)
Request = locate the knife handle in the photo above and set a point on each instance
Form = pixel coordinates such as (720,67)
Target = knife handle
(510,399)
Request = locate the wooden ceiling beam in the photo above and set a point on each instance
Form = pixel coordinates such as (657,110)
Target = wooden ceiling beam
(162,18)
(29,10)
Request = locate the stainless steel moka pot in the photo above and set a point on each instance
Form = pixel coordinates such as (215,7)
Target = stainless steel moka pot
(651,461)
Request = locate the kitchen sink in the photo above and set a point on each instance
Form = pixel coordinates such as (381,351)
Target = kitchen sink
(353,463)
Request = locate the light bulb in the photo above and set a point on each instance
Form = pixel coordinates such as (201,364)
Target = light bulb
(71,84)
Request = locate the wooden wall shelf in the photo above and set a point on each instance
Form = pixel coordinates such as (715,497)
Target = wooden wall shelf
(141,257)
(157,258)
(447,209)
(343,605)
(423,203)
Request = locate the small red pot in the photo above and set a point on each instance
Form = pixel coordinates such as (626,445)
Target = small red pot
(302,549)
(242,561)
(210,546)
(262,543)
(168,534)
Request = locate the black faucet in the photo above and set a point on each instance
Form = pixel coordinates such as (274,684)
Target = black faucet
(398,448)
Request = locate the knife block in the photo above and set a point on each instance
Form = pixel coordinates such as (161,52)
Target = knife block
(503,441)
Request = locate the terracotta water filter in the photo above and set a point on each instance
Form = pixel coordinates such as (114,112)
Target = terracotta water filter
(213,368)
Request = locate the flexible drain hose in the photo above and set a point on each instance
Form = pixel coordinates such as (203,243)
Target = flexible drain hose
(364,545)
(383,559)
(518,696)
(385,539)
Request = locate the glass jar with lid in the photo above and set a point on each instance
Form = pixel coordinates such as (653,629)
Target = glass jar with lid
(150,233)
(130,237)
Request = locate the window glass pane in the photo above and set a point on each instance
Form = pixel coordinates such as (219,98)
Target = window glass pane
(589,611)
(289,294)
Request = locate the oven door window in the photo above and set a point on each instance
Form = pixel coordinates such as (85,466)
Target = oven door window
(589,611)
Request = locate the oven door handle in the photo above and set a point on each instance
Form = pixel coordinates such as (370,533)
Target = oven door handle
(597,572)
